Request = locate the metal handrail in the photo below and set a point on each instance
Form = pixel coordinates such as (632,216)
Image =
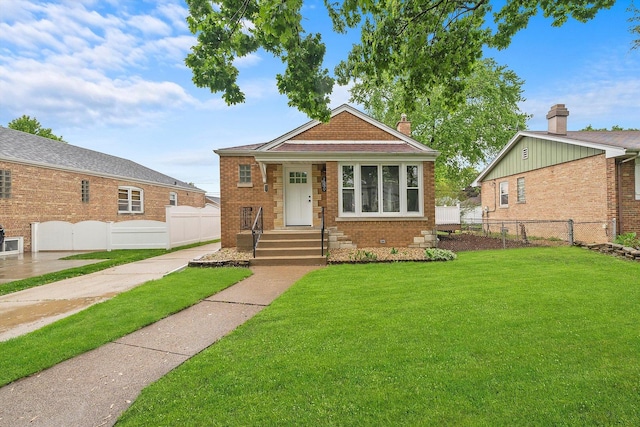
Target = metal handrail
(322,234)
(256,230)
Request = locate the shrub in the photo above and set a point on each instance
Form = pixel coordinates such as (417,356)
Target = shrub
(435,254)
(628,239)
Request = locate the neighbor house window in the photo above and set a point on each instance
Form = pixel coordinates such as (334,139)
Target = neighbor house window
(244,174)
(85,191)
(173,199)
(637,178)
(130,200)
(521,198)
(504,194)
(380,189)
(5,184)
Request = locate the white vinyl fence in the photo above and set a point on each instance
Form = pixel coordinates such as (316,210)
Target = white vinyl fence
(184,225)
(448,215)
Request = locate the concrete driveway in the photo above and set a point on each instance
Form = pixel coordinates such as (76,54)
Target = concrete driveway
(23,266)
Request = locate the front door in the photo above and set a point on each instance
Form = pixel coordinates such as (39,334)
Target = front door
(298,205)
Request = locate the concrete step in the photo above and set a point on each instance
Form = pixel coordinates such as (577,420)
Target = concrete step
(285,260)
(262,252)
(265,242)
(291,235)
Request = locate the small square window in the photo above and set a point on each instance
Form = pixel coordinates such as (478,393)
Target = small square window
(85,191)
(244,174)
(521,196)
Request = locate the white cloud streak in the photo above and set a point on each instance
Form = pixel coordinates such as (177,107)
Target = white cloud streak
(82,62)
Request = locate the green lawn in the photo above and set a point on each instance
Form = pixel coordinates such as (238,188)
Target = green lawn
(544,336)
(110,320)
(112,259)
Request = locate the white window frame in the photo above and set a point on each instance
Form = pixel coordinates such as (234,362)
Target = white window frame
(173,198)
(521,190)
(402,190)
(504,190)
(130,207)
(637,173)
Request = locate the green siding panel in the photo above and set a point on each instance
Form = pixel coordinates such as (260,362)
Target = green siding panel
(542,153)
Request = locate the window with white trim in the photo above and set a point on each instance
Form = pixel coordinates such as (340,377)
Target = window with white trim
(521,195)
(173,198)
(130,200)
(504,194)
(380,189)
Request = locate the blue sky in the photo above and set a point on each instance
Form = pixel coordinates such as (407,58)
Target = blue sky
(110,76)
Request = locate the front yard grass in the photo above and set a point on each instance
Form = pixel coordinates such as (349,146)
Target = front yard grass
(112,319)
(112,259)
(536,336)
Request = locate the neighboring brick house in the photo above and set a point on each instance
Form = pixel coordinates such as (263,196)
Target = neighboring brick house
(46,180)
(559,175)
(374,184)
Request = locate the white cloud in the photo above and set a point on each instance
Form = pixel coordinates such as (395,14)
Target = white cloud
(247,61)
(93,61)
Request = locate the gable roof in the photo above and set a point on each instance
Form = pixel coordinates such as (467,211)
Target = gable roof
(21,147)
(612,143)
(326,141)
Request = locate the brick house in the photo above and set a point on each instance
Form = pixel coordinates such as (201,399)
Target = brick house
(374,184)
(46,180)
(558,174)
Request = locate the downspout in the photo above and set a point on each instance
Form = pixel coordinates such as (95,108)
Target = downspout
(619,222)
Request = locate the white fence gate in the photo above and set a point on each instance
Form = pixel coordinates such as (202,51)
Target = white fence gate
(184,225)
(448,215)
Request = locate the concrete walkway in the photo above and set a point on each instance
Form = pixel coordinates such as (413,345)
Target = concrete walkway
(31,309)
(93,389)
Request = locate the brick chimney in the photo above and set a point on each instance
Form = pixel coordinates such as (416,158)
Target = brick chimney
(557,119)
(404,126)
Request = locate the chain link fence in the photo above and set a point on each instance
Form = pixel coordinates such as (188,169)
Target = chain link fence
(498,234)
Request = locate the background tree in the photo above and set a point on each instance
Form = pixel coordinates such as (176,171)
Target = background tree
(613,128)
(635,25)
(467,137)
(422,43)
(33,126)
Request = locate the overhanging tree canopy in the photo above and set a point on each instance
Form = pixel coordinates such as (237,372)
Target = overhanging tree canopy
(424,43)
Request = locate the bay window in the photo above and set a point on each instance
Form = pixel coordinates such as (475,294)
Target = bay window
(381,189)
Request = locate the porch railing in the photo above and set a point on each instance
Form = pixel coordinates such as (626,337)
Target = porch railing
(322,233)
(246,215)
(256,230)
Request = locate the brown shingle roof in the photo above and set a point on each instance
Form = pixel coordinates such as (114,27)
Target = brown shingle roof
(346,147)
(624,139)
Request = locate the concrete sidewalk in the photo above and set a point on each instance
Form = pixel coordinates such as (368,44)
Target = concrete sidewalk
(28,310)
(93,389)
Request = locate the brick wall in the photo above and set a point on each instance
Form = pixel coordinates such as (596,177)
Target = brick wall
(234,196)
(345,127)
(396,232)
(42,194)
(368,232)
(575,190)
(630,207)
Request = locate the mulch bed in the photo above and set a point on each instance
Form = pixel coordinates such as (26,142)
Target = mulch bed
(471,242)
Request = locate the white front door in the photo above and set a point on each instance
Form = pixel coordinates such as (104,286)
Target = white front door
(298,204)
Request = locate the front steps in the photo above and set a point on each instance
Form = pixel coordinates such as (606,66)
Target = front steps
(290,247)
